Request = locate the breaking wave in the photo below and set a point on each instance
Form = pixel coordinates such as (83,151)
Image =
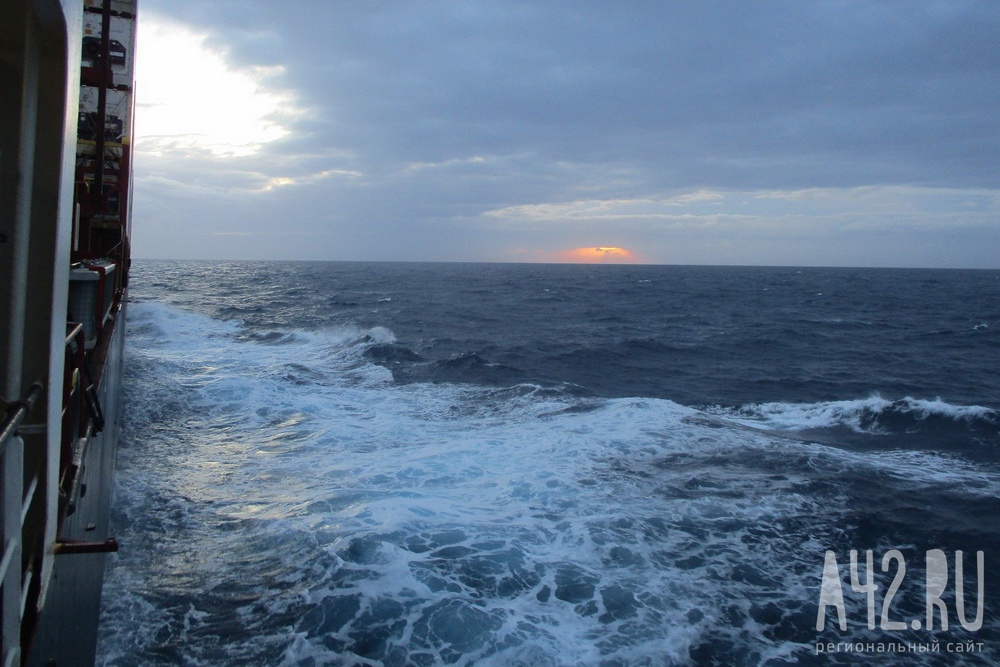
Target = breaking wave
(283,499)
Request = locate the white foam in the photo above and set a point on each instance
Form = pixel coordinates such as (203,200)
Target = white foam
(924,408)
(621,532)
(856,414)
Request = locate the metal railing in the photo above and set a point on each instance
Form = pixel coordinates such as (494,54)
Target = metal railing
(82,417)
(16,411)
(16,503)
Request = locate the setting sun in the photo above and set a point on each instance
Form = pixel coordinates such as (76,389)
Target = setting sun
(599,255)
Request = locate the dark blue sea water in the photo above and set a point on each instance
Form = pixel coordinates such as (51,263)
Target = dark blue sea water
(422,464)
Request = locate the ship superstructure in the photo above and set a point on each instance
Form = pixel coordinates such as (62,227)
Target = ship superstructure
(66,109)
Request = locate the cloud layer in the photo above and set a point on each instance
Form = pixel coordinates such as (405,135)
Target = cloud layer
(774,132)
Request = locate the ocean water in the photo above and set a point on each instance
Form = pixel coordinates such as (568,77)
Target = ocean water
(423,464)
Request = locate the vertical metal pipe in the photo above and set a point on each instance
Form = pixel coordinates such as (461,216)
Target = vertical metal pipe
(105,79)
(13,455)
(22,210)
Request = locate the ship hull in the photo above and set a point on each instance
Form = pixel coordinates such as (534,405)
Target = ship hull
(67,630)
(66,105)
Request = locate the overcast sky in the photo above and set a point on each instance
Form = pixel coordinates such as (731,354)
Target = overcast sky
(794,133)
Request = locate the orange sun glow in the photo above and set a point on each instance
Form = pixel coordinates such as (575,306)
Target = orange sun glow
(599,255)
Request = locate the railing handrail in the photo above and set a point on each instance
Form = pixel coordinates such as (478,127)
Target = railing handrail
(76,330)
(16,411)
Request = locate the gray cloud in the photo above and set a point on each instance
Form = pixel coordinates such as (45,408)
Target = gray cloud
(434,113)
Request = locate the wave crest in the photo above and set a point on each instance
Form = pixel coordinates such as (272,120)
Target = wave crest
(875,415)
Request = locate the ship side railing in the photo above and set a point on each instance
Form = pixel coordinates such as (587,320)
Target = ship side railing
(81,419)
(16,580)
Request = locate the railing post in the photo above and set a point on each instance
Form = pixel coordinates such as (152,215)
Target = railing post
(12,509)
(13,481)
